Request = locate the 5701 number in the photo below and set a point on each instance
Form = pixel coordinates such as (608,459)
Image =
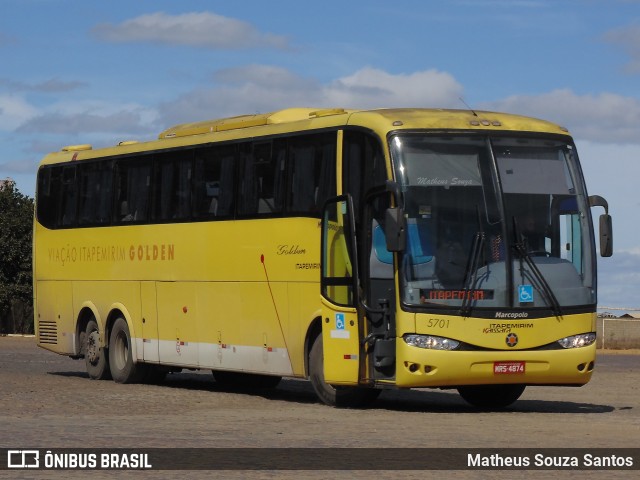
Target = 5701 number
(438,323)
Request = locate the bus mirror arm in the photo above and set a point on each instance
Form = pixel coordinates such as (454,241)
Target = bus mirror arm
(606,228)
(393,187)
(598,201)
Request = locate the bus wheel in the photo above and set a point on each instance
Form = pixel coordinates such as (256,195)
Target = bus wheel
(95,357)
(491,396)
(123,369)
(335,396)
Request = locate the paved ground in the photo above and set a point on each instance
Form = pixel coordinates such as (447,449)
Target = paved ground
(48,401)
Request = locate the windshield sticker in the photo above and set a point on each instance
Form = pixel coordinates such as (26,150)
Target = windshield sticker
(525,293)
(427,294)
(439,169)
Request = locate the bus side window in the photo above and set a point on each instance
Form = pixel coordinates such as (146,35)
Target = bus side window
(311,173)
(326,186)
(363,166)
(95,193)
(68,197)
(302,175)
(269,170)
(261,178)
(172,185)
(214,181)
(227,185)
(248,194)
(133,182)
(47,196)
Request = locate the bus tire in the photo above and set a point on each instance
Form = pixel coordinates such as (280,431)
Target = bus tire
(96,358)
(123,369)
(491,396)
(335,396)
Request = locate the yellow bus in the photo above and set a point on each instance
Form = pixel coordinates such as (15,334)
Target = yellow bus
(363,250)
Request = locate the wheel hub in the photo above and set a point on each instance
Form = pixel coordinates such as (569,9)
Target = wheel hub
(93,346)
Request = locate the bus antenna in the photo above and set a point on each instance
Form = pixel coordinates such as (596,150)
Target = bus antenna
(467,105)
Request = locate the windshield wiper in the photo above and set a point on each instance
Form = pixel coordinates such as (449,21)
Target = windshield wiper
(542,285)
(471,273)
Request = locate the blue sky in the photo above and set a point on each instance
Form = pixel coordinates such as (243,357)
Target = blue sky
(102,72)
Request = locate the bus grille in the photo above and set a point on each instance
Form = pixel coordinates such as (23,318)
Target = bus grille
(48,332)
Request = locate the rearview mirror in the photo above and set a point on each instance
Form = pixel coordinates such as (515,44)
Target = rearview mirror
(606,236)
(606,229)
(395,229)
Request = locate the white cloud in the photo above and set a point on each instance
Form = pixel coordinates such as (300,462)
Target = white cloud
(260,88)
(371,87)
(14,111)
(20,166)
(52,85)
(243,90)
(629,39)
(122,122)
(267,76)
(605,118)
(73,118)
(203,29)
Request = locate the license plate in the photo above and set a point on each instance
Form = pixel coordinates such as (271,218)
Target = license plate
(508,368)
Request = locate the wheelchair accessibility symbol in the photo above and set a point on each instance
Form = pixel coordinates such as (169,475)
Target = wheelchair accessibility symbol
(339,321)
(525,293)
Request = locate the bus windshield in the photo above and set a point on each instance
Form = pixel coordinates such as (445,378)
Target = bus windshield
(493,222)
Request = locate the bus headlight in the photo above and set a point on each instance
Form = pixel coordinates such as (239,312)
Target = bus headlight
(430,342)
(577,341)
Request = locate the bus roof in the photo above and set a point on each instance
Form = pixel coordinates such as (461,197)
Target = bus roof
(400,118)
(302,119)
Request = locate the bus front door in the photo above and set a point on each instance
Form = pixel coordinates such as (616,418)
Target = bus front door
(341,329)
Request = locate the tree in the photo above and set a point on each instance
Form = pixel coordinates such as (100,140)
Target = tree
(16,289)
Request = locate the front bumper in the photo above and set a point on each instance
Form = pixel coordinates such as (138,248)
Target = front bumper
(418,367)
